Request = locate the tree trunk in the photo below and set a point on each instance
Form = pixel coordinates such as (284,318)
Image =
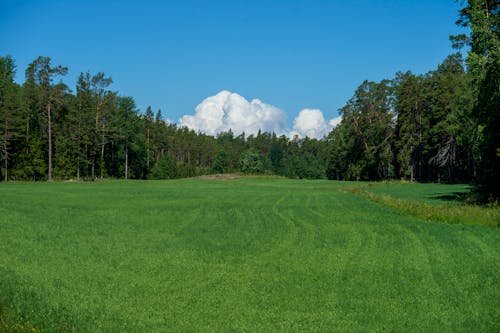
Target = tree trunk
(126,162)
(78,154)
(5,146)
(147,158)
(420,146)
(102,151)
(49,133)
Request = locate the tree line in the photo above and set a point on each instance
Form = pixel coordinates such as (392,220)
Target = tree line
(441,126)
(49,132)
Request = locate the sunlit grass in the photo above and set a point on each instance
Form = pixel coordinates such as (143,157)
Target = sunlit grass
(237,255)
(432,202)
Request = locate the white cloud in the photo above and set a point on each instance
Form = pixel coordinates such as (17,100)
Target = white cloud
(227,110)
(312,123)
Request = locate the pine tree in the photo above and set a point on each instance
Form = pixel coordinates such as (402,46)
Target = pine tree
(40,76)
(482,17)
(10,111)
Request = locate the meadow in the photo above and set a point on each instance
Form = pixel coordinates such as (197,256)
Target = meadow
(249,254)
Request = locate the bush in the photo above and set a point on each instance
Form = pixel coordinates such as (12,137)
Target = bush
(221,162)
(165,168)
(251,162)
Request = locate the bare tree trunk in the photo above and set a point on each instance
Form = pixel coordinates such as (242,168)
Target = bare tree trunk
(94,149)
(420,146)
(78,154)
(49,133)
(126,162)
(147,158)
(102,151)
(5,146)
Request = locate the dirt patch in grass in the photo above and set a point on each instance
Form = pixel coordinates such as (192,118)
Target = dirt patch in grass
(221,176)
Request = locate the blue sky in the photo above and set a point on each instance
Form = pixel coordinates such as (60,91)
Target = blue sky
(289,54)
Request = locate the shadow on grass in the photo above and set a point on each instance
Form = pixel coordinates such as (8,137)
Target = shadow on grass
(459,197)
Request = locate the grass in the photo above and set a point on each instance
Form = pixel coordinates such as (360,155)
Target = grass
(240,255)
(431,202)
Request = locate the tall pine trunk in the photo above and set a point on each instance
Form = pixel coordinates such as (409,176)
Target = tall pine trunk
(78,154)
(102,151)
(5,146)
(49,133)
(126,162)
(147,147)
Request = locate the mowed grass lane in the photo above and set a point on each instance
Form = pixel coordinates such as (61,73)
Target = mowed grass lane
(236,255)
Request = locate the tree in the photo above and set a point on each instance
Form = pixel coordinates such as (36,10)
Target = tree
(367,121)
(337,156)
(482,17)
(165,168)
(409,107)
(83,124)
(10,110)
(446,84)
(251,162)
(425,145)
(276,156)
(98,85)
(221,162)
(40,76)
(148,124)
(126,139)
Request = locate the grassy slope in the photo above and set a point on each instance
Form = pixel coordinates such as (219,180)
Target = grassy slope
(247,254)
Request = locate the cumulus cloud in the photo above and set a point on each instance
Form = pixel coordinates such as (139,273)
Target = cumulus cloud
(228,110)
(335,121)
(312,123)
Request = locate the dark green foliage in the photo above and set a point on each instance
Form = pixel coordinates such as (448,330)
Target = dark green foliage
(483,20)
(48,98)
(165,168)
(413,127)
(364,135)
(11,109)
(221,162)
(276,157)
(30,162)
(251,162)
(409,105)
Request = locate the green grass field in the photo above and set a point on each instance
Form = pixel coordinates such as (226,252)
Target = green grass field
(250,254)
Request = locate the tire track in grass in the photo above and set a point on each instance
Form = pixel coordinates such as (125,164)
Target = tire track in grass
(486,250)
(315,200)
(432,296)
(421,276)
(298,206)
(352,277)
(363,274)
(319,266)
(472,264)
(240,292)
(341,240)
(291,229)
(274,289)
(459,263)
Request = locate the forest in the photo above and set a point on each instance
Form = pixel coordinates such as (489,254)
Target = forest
(441,126)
